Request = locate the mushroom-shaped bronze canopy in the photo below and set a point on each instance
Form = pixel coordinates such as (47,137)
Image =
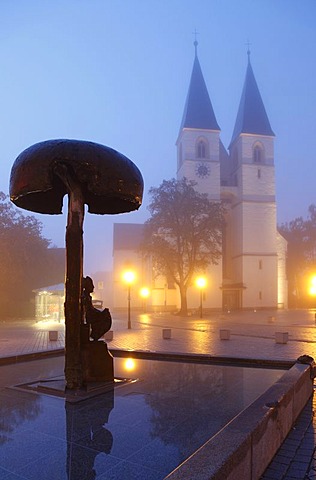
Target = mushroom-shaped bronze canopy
(110,182)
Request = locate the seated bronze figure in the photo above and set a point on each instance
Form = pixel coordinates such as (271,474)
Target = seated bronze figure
(100,321)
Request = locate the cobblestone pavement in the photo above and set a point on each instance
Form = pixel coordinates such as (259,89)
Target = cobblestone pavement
(252,336)
(296,459)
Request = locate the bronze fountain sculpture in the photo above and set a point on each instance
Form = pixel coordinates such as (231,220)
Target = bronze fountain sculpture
(109,183)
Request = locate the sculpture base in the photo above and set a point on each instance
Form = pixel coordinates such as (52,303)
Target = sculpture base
(97,363)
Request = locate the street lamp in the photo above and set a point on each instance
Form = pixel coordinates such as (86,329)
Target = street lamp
(144,293)
(200,282)
(129,278)
(312,288)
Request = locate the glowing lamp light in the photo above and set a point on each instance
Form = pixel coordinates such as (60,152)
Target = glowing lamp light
(129,364)
(129,277)
(312,288)
(144,292)
(201,282)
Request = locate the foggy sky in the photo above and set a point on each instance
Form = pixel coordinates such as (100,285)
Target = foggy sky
(117,72)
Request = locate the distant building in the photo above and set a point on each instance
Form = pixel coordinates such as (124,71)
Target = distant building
(49,300)
(49,303)
(127,255)
(251,273)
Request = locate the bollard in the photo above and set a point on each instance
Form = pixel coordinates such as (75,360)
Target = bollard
(53,335)
(281,337)
(224,334)
(166,333)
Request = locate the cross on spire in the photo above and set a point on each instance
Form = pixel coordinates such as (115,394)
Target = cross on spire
(195,33)
(248,49)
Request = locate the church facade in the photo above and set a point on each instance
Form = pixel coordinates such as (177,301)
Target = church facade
(252,272)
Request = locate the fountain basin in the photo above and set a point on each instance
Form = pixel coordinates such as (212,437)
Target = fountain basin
(179,417)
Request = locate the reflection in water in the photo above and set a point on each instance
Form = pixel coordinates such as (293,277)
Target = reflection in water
(156,423)
(129,364)
(190,402)
(197,399)
(88,422)
(14,412)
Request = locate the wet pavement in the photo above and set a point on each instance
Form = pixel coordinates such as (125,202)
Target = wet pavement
(252,336)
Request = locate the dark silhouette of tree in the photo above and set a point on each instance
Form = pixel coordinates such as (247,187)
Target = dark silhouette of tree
(25,259)
(300,234)
(14,413)
(184,233)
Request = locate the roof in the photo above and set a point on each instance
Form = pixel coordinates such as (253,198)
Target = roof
(251,117)
(127,236)
(198,110)
(59,288)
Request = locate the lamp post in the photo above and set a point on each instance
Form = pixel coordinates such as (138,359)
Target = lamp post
(201,284)
(129,278)
(144,293)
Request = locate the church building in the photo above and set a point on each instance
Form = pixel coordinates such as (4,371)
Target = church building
(251,273)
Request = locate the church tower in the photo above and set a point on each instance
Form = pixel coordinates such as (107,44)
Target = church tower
(198,144)
(251,273)
(253,262)
(199,150)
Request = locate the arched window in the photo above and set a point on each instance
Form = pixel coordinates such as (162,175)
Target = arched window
(258,153)
(201,148)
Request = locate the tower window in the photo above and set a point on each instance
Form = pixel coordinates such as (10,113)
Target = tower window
(260,295)
(201,149)
(259,173)
(260,264)
(258,153)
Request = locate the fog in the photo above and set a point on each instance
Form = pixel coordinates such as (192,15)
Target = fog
(118,72)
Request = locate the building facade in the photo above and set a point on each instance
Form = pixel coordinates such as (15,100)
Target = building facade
(251,273)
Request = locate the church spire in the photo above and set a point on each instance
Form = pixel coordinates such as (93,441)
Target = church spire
(251,117)
(198,110)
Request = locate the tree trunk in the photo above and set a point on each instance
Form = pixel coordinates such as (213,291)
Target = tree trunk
(184,305)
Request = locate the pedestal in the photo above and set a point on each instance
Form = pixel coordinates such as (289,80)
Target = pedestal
(166,333)
(281,337)
(224,334)
(53,335)
(97,363)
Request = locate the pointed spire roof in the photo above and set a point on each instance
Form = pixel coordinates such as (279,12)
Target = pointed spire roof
(251,116)
(198,110)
